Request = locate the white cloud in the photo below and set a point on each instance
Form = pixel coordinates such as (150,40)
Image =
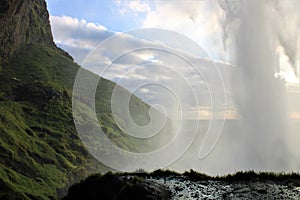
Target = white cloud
(132,67)
(127,52)
(78,37)
(198,20)
(132,7)
(77,33)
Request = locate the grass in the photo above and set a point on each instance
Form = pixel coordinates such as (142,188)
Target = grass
(41,152)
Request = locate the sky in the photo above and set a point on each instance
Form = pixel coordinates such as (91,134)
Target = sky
(110,14)
(204,59)
(81,27)
(123,15)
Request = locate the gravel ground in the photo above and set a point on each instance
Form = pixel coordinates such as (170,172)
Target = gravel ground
(184,188)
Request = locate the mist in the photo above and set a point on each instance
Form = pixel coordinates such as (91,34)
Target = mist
(260,97)
(247,89)
(264,137)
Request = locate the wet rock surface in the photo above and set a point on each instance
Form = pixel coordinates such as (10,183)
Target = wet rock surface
(189,185)
(185,188)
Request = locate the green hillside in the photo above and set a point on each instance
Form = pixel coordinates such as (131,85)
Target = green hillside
(40,149)
(41,153)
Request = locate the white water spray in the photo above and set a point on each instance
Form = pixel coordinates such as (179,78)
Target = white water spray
(260,97)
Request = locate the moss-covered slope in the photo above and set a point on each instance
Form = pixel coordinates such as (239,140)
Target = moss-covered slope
(41,153)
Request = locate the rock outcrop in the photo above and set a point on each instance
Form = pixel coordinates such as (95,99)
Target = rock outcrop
(23,22)
(119,187)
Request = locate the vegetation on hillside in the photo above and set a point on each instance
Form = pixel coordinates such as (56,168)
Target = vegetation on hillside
(40,149)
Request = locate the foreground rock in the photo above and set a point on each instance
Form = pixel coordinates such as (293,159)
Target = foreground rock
(184,188)
(190,185)
(118,187)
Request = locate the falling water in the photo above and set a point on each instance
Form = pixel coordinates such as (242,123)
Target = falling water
(259,95)
(264,138)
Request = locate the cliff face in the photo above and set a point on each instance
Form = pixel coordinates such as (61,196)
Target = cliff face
(23,22)
(40,151)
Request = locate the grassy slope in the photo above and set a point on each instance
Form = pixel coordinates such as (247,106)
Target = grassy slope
(40,149)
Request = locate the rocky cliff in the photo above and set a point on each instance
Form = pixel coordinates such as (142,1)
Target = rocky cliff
(40,151)
(23,22)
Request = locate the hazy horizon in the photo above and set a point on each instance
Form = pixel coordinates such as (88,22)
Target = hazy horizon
(200,60)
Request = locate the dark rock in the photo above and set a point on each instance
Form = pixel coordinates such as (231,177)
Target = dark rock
(23,22)
(195,195)
(262,191)
(118,187)
(178,189)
